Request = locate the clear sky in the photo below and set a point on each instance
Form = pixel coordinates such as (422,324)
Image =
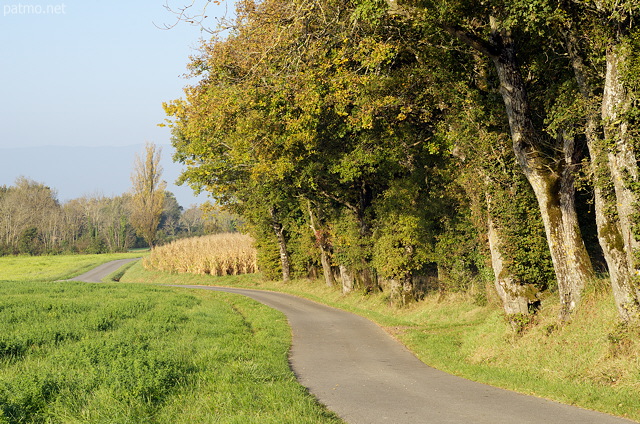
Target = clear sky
(92,73)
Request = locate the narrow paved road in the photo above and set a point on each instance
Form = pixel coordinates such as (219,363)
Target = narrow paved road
(97,274)
(366,377)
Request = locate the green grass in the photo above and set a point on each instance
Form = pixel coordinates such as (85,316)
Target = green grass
(138,274)
(591,362)
(575,364)
(74,352)
(52,268)
(115,276)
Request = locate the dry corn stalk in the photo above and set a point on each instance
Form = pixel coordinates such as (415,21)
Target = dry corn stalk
(217,254)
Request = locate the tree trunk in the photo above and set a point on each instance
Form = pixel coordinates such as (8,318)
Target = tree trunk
(282,245)
(610,236)
(347,279)
(324,249)
(326,267)
(367,276)
(552,186)
(622,160)
(401,290)
(512,294)
(621,273)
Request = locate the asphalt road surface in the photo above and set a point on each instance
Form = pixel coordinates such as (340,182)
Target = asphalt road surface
(97,274)
(366,377)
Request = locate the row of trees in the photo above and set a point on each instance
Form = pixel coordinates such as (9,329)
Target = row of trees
(33,221)
(406,145)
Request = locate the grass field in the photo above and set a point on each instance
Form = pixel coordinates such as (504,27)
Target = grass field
(55,267)
(591,362)
(117,353)
(123,353)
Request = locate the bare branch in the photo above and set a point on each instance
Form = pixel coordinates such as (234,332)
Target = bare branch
(183,14)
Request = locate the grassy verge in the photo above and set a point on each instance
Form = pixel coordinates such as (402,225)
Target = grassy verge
(115,276)
(591,362)
(52,268)
(121,353)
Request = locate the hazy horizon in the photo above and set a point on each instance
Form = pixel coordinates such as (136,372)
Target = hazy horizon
(76,171)
(79,74)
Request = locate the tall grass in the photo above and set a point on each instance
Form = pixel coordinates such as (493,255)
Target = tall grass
(217,254)
(119,353)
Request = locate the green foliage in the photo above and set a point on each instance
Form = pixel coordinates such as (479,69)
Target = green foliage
(460,256)
(631,67)
(268,253)
(30,242)
(369,11)
(305,253)
(350,249)
(404,234)
(525,246)
(519,322)
(393,125)
(333,120)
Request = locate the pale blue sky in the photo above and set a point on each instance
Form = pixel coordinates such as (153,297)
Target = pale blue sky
(96,74)
(91,73)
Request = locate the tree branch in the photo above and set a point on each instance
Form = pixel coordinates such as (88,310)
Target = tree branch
(471,40)
(182,15)
(335,198)
(466,37)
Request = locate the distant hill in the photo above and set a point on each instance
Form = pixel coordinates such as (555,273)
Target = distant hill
(77,171)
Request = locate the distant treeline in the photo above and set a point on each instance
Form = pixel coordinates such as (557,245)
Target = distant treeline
(34,222)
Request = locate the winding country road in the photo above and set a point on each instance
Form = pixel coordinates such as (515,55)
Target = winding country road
(366,377)
(97,274)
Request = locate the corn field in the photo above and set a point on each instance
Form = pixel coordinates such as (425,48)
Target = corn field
(217,254)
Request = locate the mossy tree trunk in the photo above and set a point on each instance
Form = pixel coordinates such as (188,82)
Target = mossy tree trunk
(622,160)
(512,294)
(623,167)
(347,279)
(402,290)
(550,179)
(323,246)
(616,244)
(278,230)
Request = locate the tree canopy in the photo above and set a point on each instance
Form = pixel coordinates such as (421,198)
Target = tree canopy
(410,146)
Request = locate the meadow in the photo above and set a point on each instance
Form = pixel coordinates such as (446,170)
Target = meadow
(123,352)
(75,352)
(54,267)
